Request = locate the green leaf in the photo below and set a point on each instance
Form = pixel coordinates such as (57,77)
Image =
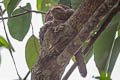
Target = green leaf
(75,3)
(39,4)
(32,51)
(4,43)
(19,26)
(6,2)
(103,46)
(103,76)
(11,5)
(114,55)
(65,2)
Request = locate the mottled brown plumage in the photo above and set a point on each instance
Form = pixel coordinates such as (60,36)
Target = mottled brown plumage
(56,15)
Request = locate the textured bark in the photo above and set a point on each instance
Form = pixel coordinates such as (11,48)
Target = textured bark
(61,42)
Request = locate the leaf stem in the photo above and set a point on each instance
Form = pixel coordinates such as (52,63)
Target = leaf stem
(32,29)
(21,14)
(26,75)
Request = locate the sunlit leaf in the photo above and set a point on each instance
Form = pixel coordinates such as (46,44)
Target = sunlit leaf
(103,76)
(32,51)
(4,43)
(39,4)
(19,26)
(73,59)
(114,55)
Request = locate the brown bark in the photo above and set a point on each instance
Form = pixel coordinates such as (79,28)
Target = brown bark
(61,42)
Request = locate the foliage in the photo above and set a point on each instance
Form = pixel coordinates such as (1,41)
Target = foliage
(19,26)
(10,5)
(32,51)
(103,76)
(106,49)
(4,43)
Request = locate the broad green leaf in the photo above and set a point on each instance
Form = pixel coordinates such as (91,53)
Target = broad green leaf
(114,55)
(4,43)
(75,3)
(65,2)
(19,26)
(104,44)
(32,51)
(11,5)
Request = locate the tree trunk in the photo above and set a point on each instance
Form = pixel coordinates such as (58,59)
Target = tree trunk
(62,42)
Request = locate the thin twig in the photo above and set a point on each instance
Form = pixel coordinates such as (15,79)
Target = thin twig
(21,14)
(35,45)
(26,75)
(42,12)
(93,39)
(9,44)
